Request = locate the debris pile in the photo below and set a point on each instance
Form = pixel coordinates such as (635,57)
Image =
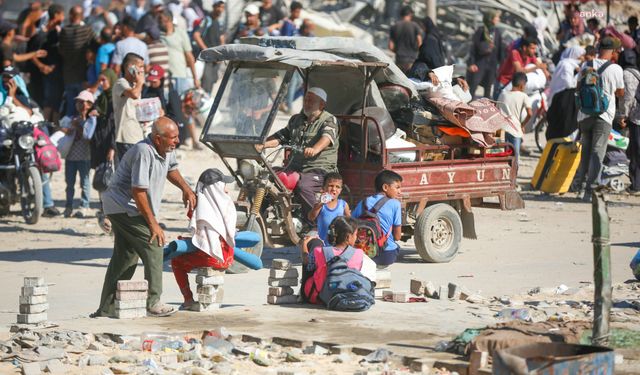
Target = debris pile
(282,279)
(33,301)
(210,289)
(131,299)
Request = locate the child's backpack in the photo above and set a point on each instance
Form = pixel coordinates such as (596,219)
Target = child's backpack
(371,239)
(345,289)
(47,158)
(590,96)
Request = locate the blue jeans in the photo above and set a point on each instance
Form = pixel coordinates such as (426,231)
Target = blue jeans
(497,90)
(516,142)
(47,199)
(71,90)
(71,168)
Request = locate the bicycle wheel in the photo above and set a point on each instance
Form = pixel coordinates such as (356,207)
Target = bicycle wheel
(539,130)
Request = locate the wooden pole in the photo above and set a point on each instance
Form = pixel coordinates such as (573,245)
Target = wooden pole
(608,11)
(601,270)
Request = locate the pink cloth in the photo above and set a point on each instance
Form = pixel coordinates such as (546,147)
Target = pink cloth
(314,284)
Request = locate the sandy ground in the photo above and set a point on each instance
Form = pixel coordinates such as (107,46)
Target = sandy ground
(544,245)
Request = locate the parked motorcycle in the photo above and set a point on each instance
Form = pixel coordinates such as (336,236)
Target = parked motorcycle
(19,177)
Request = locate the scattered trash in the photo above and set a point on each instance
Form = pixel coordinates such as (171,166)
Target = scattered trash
(635,265)
(378,356)
(514,314)
(561,289)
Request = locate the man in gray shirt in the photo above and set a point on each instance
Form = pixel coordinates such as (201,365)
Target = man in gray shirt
(132,203)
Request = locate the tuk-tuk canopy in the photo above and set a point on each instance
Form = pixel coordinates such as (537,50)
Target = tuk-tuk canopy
(304,52)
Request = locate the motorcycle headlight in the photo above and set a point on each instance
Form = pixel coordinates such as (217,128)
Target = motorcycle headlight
(247,170)
(26,141)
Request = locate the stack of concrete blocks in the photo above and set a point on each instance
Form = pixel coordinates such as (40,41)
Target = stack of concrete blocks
(282,279)
(383,281)
(210,289)
(131,299)
(33,301)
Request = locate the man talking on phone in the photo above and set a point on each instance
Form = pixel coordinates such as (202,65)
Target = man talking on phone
(132,203)
(126,92)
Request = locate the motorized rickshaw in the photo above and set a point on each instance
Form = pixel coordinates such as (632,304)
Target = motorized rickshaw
(441,182)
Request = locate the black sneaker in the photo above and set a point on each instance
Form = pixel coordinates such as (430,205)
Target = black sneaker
(50,212)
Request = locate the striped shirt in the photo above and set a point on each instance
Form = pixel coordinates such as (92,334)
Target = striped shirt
(74,40)
(159,55)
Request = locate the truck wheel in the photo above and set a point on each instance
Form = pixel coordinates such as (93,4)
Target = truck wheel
(236,267)
(438,232)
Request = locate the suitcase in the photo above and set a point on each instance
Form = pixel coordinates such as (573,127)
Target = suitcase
(557,166)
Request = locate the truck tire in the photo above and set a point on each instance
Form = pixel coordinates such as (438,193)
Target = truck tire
(438,232)
(236,267)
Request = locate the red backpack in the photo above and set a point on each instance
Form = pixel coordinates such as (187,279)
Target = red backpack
(47,157)
(370,237)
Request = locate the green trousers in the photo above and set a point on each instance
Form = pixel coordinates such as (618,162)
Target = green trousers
(132,236)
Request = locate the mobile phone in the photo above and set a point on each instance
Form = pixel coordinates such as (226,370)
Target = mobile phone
(133,70)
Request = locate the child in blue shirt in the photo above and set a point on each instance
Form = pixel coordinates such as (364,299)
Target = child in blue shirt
(388,184)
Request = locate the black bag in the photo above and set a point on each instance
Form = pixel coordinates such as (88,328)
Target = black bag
(102,177)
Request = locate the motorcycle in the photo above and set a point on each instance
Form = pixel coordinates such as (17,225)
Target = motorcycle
(20,179)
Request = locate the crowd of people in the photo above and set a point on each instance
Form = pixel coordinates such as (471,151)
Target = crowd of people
(89,71)
(505,72)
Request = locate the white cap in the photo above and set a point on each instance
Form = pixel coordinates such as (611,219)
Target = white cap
(252,9)
(155,3)
(320,93)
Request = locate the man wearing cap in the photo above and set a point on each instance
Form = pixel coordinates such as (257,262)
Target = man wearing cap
(154,87)
(128,44)
(316,130)
(132,203)
(594,130)
(252,25)
(210,34)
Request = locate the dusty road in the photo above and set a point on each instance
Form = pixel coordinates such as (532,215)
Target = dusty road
(544,245)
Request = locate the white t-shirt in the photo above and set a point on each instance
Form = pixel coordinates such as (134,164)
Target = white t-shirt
(612,80)
(512,104)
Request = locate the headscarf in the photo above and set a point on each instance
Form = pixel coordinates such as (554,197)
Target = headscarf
(487,21)
(564,77)
(214,217)
(102,104)
(578,29)
(21,85)
(430,28)
(541,24)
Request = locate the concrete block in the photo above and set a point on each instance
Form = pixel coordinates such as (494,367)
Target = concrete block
(130,295)
(387,295)
(282,300)
(204,307)
(280,264)
(33,300)
(316,350)
(210,280)
(461,367)
(133,285)
(341,349)
(209,271)
(32,318)
(293,343)
(34,281)
(280,291)
(430,290)
(34,309)
(454,291)
(474,298)
(443,292)
(417,286)
(283,274)
(132,304)
(423,365)
(210,290)
(35,290)
(131,313)
(283,282)
(31,368)
(208,298)
(401,297)
(250,338)
(383,279)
